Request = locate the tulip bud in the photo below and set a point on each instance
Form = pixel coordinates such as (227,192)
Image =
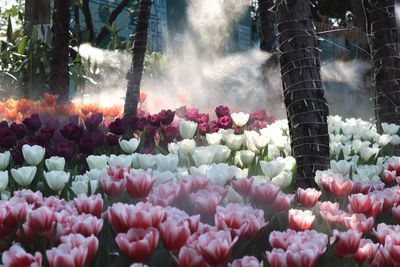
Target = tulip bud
(3,180)
(24,175)
(4,160)
(246,157)
(187,129)
(129,146)
(33,155)
(240,119)
(55,163)
(214,138)
(97,162)
(56,179)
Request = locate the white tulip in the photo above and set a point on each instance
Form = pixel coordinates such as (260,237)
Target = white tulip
(260,141)
(283,179)
(186,146)
(199,171)
(367,152)
(384,139)
(163,177)
(3,180)
(123,161)
(249,141)
(213,138)
(233,141)
(232,197)
(240,119)
(24,175)
(147,161)
(173,148)
(341,166)
(5,196)
(181,173)
(395,140)
(259,179)
(273,152)
(81,183)
(56,179)
(129,146)
(187,129)
(221,153)
(135,160)
(246,157)
(97,162)
(320,174)
(241,173)
(167,163)
(390,128)
(225,133)
(272,168)
(33,155)
(4,160)
(203,156)
(220,174)
(97,174)
(55,163)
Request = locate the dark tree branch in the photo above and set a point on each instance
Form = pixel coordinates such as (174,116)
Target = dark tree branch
(88,19)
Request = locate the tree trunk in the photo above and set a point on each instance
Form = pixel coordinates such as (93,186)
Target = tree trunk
(77,21)
(37,11)
(88,20)
(59,77)
(384,44)
(104,31)
(267,25)
(303,90)
(138,52)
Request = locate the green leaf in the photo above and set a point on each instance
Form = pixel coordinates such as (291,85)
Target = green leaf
(9,30)
(161,150)
(70,191)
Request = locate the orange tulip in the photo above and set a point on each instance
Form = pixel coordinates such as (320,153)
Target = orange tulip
(50,99)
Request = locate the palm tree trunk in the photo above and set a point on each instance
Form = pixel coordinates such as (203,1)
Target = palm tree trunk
(88,20)
(267,25)
(138,52)
(59,76)
(303,90)
(384,44)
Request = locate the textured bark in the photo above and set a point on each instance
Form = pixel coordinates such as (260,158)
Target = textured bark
(306,106)
(88,19)
(384,44)
(59,77)
(77,21)
(104,31)
(358,14)
(37,11)
(267,25)
(138,52)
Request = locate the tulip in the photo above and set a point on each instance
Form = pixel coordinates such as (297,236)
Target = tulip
(187,129)
(246,261)
(123,161)
(97,162)
(342,166)
(91,243)
(395,213)
(300,220)
(390,128)
(4,160)
(147,161)
(341,187)
(284,179)
(203,156)
(33,155)
(359,223)
(308,197)
(129,146)
(277,257)
(174,234)
(388,177)
(138,244)
(81,184)
(221,153)
(17,256)
(282,202)
(348,243)
(272,168)
(3,180)
(24,175)
(86,225)
(264,193)
(89,205)
(233,141)
(118,127)
(222,111)
(167,163)
(166,116)
(55,163)
(359,203)
(366,251)
(33,123)
(65,255)
(224,122)
(189,257)
(220,174)
(138,184)
(242,185)
(246,157)
(240,119)
(56,179)
(213,138)
(186,146)
(41,220)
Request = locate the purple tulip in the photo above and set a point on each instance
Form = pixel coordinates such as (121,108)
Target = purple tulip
(153,120)
(138,123)
(169,133)
(166,117)
(17,156)
(214,127)
(258,115)
(4,125)
(112,139)
(99,138)
(203,117)
(151,131)
(7,138)
(118,126)
(72,132)
(87,145)
(93,121)
(225,122)
(65,150)
(192,114)
(203,128)
(33,123)
(19,130)
(222,111)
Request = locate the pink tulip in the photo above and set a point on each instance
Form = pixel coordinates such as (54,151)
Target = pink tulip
(241,220)
(341,187)
(190,257)
(383,230)
(112,187)
(396,213)
(246,261)
(359,203)
(138,244)
(89,205)
(388,177)
(366,251)
(300,220)
(328,206)
(86,225)
(41,220)
(242,186)
(363,188)
(139,184)
(174,234)
(66,256)
(302,255)
(16,256)
(117,173)
(277,258)
(347,244)
(29,196)
(282,202)
(206,200)
(359,223)
(77,240)
(264,193)
(379,258)
(308,197)
(169,194)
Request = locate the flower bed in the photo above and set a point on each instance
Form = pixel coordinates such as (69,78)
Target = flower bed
(180,189)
